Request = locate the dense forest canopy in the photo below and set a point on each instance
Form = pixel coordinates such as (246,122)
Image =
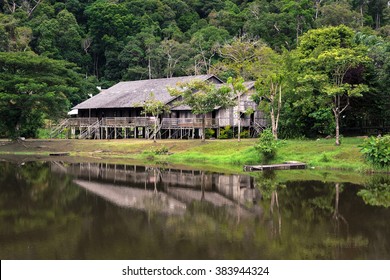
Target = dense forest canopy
(111,40)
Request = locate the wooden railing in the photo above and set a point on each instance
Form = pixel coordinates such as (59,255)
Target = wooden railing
(80,122)
(188,122)
(165,123)
(126,121)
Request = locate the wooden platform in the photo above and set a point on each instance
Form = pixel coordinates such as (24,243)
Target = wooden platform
(281,166)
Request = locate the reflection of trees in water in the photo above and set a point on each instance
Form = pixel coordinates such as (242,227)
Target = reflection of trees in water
(312,209)
(376,191)
(269,187)
(65,221)
(37,212)
(337,216)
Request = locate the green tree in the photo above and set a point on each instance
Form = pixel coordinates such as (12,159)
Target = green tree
(205,43)
(109,24)
(377,151)
(203,97)
(175,53)
(327,55)
(32,88)
(240,57)
(339,12)
(279,23)
(27,6)
(376,104)
(267,145)
(269,85)
(229,18)
(376,191)
(13,36)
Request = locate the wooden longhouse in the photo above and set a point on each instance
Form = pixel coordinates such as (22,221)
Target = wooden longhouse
(116,113)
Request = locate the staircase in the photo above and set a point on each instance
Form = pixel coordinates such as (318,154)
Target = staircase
(59,128)
(257,129)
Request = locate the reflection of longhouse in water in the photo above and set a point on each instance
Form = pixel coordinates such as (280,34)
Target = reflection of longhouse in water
(131,186)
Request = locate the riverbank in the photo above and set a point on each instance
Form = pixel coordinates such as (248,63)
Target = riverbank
(221,154)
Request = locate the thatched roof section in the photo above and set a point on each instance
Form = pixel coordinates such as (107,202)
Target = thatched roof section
(133,93)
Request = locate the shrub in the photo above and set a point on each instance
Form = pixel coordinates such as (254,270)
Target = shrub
(267,145)
(376,150)
(324,158)
(158,151)
(226,133)
(245,134)
(209,133)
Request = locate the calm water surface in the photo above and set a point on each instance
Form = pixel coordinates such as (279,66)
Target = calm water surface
(56,210)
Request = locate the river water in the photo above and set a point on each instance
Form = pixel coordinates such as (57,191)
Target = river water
(59,210)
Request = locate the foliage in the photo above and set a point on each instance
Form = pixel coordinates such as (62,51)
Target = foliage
(155,108)
(245,134)
(210,133)
(336,13)
(129,40)
(327,57)
(376,191)
(377,150)
(203,97)
(226,132)
(267,145)
(269,85)
(32,88)
(268,184)
(240,58)
(323,121)
(163,150)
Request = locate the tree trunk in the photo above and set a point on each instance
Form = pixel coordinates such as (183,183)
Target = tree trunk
(149,68)
(155,130)
(276,92)
(273,124)
(203,128)
(337,120)
(239,118)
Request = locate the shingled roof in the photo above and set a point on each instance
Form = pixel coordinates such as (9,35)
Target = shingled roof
(131,94)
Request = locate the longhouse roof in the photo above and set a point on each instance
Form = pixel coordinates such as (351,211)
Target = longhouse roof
(133,93)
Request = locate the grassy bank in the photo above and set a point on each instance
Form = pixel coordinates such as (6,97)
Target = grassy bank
(223,154)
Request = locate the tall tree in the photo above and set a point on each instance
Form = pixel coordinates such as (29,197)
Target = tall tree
(109,25)
(175,54)
(328,56)
(339,12)
(27,6)
(13,37)
(269,84)
(32,88)
(205,43)
(240,56)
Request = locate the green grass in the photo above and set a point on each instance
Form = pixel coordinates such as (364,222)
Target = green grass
(316,153)
(221,154)
(324,154)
